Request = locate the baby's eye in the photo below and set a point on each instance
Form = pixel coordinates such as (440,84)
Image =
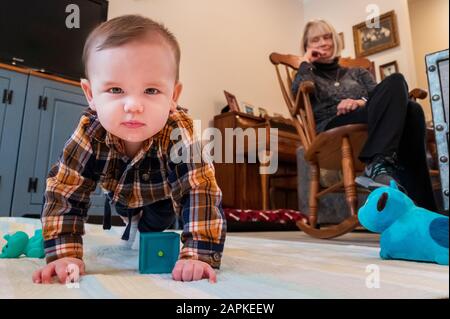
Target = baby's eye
(151,91)
(115,90)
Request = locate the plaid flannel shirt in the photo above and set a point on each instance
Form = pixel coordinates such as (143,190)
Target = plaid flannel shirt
(92,155)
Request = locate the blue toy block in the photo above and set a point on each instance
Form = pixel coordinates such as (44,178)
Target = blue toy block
(158,252)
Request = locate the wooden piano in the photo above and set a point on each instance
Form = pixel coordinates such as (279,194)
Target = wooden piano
(242,185)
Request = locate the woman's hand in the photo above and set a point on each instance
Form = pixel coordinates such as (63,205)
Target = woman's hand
(311,55)
(349,105)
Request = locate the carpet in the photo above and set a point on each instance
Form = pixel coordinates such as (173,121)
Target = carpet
(251,268)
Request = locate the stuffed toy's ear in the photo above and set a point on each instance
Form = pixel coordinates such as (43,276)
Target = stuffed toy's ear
(393,185)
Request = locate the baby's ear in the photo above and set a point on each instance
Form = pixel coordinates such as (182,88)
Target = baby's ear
(176,95)
(86,86)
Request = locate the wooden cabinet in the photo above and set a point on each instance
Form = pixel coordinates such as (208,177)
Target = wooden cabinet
(12,97)
(41,118)
(241,183)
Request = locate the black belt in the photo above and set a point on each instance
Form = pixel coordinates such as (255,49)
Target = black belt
(107,214)
(107,219)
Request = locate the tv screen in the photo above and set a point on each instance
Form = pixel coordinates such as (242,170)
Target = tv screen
(48,35)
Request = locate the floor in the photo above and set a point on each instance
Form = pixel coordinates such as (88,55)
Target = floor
(255,265)
(358,238)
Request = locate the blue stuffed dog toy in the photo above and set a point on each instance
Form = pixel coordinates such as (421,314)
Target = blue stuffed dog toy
(407,231)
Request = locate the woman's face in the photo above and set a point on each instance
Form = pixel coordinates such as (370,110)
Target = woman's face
(323,43)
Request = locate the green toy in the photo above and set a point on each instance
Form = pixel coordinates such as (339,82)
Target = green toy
(35,247)
(19,243)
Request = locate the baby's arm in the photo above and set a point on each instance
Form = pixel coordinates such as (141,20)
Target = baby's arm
(69,185)
(195,190)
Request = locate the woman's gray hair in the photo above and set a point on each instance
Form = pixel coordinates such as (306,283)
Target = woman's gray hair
(319,26)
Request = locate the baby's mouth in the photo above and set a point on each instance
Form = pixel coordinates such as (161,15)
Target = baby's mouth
(133,124)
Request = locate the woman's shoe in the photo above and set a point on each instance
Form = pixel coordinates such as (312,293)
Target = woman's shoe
(380,172)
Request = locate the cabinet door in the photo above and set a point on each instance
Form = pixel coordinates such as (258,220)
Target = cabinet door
(12,97)
(52,112)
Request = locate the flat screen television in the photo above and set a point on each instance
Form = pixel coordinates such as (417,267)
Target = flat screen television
(34,33)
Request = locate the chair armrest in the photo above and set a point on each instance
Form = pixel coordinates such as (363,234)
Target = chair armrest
(418,94)
(303,101)
(307,87)
(290,60)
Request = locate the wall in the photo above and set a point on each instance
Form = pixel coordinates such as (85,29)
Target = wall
(225,45)
(346,13)
(429,30)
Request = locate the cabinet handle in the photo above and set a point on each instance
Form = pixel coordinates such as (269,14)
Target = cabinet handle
(32,185)
(10,96)
(7,96)
(42,102)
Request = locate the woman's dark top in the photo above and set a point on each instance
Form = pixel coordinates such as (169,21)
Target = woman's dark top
(354,83)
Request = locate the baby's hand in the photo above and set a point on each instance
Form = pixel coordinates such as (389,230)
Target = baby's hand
(59,268)
(191,270)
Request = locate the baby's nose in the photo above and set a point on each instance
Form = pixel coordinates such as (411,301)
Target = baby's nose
(133,105)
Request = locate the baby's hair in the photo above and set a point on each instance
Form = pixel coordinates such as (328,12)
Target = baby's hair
(124,29)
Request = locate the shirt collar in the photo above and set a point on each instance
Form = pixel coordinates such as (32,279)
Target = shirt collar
(118,145)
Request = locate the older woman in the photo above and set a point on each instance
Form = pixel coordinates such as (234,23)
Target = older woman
(395,148)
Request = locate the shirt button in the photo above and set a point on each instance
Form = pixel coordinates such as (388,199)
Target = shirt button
(145,177)
(216,257)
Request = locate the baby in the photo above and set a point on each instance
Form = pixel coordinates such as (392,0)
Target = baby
(124,142)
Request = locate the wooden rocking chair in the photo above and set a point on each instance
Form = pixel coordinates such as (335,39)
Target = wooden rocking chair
(335,149)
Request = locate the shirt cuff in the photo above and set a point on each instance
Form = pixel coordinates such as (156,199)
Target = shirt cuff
(213,258)
(63,246)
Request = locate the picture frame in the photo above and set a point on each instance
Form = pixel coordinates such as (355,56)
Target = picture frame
(388,69)
(232,102)
(277,115)
(341,38)
(370,39)
(262,112)
(248,108)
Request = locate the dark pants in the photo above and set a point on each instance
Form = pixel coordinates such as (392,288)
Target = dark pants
(395,125)
(156,217)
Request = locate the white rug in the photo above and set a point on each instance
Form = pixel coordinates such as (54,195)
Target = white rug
(251,268)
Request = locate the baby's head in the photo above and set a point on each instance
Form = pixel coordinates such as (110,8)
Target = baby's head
(132,67)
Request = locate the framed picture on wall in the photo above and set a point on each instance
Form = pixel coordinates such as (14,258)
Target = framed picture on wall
(232,102)
(373,36)
(388,69)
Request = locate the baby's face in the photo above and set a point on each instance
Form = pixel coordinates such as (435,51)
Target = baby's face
(133,87)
